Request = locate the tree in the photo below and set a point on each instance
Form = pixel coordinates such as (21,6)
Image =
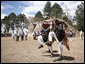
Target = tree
(56,11)
(65,17)
(39,16)
(6,22)
(12,19)
(21,17)
(47,9)
(79,16)
(12,16)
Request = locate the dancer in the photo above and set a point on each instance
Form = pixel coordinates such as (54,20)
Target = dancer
(40,40)
(62,39)
(51,39)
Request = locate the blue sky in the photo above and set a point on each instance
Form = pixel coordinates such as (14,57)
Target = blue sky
(30,8)
(12,6)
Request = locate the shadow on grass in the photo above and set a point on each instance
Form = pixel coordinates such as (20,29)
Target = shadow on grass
(68,58)
(54,51)
(55,55)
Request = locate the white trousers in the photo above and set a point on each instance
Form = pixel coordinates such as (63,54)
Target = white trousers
(60,48)
(40,39)
(51,35)
(71,38)
(80,37)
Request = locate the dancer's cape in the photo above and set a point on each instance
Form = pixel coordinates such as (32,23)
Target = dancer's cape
(65,42)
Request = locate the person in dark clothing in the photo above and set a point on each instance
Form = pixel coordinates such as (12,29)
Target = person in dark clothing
(22,35)
(17,36)
(61,36)
(71,35)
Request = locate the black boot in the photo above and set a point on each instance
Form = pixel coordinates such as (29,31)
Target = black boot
(52,54)
(49,50)
(60,58)
(40,46)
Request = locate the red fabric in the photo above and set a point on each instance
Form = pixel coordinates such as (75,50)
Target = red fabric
(45,26)
(57,22)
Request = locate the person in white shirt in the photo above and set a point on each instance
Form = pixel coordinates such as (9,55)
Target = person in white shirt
(13,35)
(80,35)
(25,33)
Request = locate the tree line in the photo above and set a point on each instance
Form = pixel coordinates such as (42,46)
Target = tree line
(12,20)
(56,11)
(49,11)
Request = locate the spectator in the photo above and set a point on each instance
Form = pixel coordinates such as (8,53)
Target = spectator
(22,35)
(13,35)
(17,36)
(80,35)
(25,33)
(34,35)
(71,35)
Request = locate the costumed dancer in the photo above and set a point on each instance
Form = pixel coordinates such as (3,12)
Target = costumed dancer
(62,39)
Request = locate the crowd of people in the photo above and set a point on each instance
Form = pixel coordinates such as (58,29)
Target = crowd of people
(19,34)
(73,34)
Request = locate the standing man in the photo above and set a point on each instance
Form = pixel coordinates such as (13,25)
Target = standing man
(80,35)
(71,35)
(13,35)
(22,35)
(25,33)
(17,36)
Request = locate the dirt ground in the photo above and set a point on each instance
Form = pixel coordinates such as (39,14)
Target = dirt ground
(28,52)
